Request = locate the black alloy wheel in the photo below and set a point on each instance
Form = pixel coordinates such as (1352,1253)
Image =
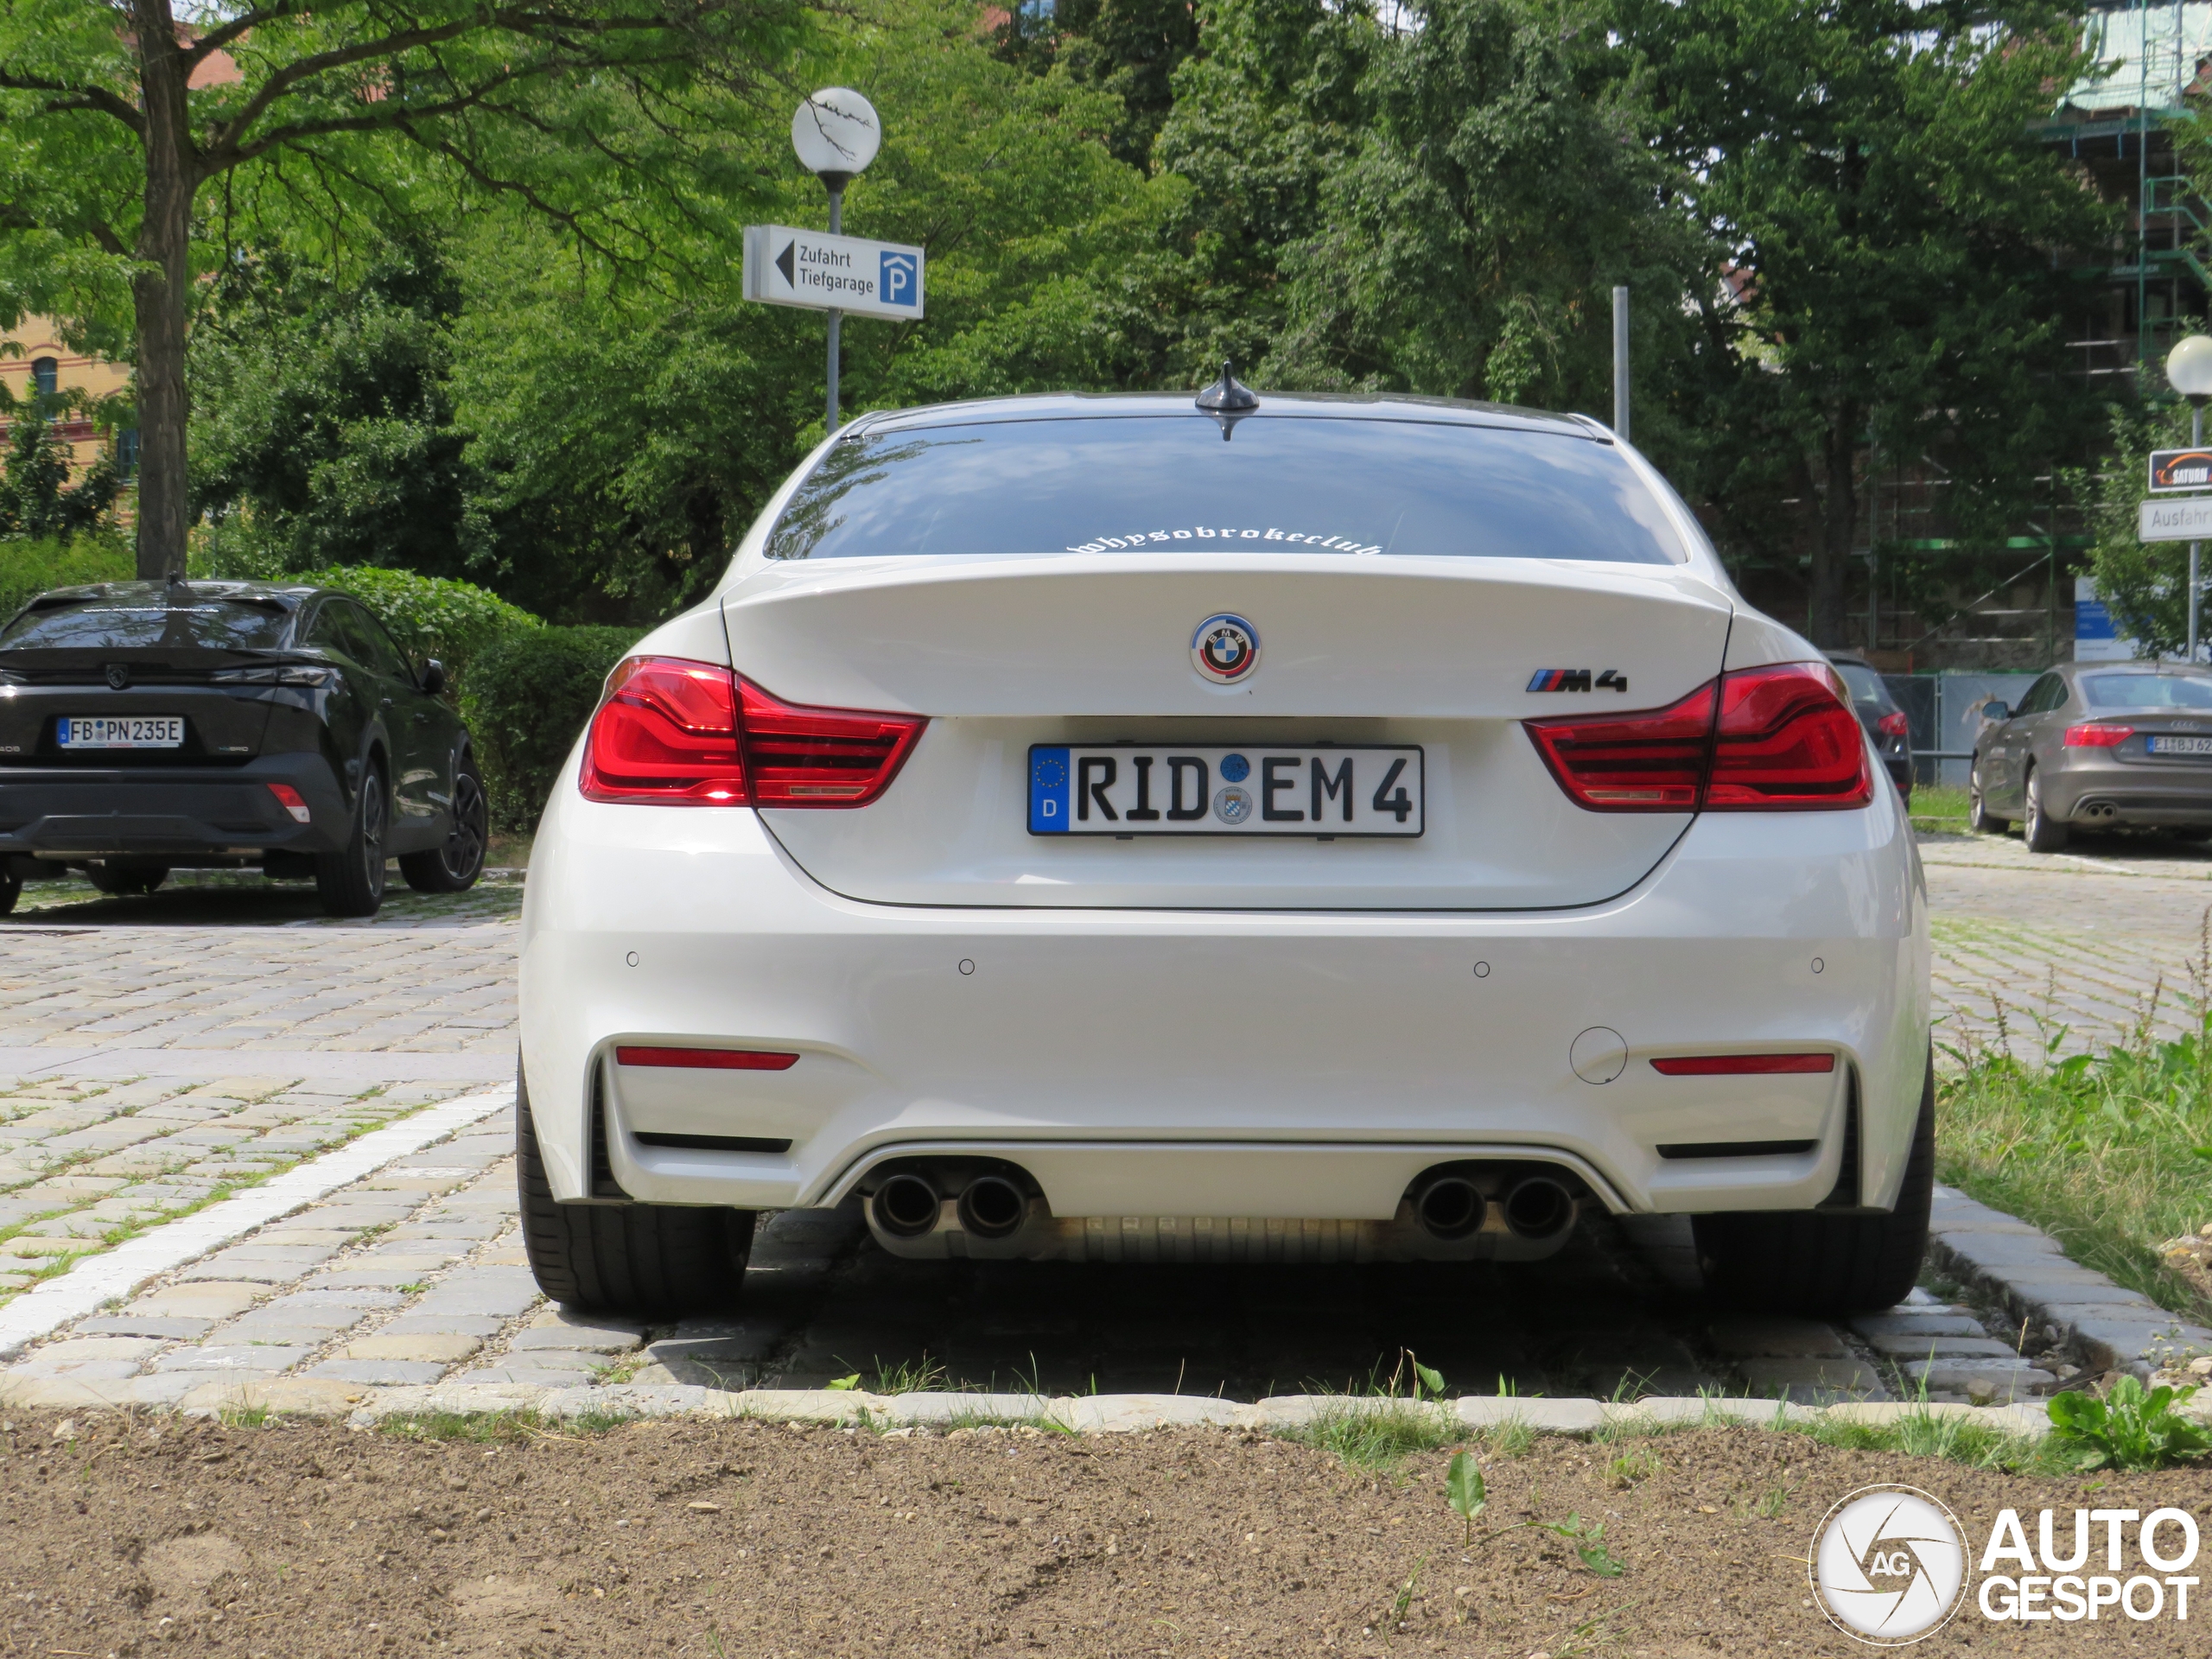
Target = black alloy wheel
(454,865)
(350,881)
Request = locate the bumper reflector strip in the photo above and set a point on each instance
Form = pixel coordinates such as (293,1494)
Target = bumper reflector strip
(1739,1149)
(707,1059)
(1741,1066)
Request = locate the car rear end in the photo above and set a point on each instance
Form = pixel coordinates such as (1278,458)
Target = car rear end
(158,725)
(2135,751)
(1498,884)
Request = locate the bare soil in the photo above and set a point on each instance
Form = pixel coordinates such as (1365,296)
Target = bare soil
(123,1536)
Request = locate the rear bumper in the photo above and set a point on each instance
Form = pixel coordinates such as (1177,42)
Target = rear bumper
(1223,1063)
(177,813)
(2094,788)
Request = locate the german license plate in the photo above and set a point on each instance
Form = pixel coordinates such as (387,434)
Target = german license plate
(1141,789)
(122,731)
(2181,746)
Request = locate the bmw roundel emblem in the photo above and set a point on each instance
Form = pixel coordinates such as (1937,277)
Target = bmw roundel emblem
(1225,649)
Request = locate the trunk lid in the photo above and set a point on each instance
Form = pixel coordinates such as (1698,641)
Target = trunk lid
(223,724)
(1003,654)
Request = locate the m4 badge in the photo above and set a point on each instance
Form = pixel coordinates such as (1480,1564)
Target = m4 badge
(1577,679)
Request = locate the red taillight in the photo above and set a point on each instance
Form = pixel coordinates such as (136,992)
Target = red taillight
(291,800)
(1893,724)
(1788,739)
(821,757)
(708,1059)
(1741,1066)
(2097,737)
(685,734)
(666,731)
(1780,738)
(1652,762)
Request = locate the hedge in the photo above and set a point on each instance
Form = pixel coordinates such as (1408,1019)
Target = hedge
(453,621)
(529,695)
(28,567)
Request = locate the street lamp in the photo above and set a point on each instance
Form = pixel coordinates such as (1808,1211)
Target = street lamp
(2189,370)
(836,134)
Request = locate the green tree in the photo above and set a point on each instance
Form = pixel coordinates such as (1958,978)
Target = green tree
(1895,232)
(115,116)
(1500,187)
(34,499)
(323,425)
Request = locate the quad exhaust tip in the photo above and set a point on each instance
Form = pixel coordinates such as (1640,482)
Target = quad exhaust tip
(991,1206)
(906,1205)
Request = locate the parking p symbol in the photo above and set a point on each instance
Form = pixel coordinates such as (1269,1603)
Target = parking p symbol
(899,279)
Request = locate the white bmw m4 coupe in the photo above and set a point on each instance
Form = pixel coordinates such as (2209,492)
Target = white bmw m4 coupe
(1286,829)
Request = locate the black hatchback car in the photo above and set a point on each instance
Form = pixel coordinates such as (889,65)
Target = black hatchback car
(146,727)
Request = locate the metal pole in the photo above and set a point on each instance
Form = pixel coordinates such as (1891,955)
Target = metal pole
(2196,593)
(836,228)
(1620,363)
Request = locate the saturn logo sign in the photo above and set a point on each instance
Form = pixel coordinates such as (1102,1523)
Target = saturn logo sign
(1225,649)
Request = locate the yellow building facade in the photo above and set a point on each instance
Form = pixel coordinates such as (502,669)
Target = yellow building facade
(34,359)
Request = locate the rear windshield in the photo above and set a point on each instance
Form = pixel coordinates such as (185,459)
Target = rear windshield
(1281,484)
(1866,688)
(115,625)
(2147,691)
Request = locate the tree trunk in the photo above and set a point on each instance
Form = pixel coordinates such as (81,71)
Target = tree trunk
(1839,519)
(161,293)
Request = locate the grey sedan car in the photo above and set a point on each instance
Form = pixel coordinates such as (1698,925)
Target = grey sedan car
(2098,746)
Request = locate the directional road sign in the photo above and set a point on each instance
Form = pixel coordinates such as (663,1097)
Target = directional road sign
(2174,472)
(784,266)
(2174,521)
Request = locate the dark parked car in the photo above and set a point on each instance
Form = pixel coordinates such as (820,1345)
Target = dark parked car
(1878,713)
(148,726)
(2098,746)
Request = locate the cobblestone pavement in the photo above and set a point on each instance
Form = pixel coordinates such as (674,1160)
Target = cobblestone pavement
(416,1274)
(2088,946)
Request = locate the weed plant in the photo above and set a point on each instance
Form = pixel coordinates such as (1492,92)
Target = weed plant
(2110,1152)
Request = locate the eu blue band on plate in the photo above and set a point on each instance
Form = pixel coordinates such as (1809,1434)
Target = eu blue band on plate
(1048,791)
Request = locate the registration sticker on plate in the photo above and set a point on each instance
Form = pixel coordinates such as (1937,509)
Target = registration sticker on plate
(1138,789)
(122,731)
(2181,746)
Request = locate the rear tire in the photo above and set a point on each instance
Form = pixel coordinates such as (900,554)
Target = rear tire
(654,1260)
(454,864)
(1802,1261)
(1978,818)
(2043,833)
(125,880)
(350,881)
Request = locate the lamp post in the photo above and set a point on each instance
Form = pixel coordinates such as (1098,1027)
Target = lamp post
(836,134)
(2189,370)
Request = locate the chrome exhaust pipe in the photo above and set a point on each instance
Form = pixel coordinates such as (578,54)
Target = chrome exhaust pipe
(1449,1207)
(906,1205)
(991,1206)
(1539,1207)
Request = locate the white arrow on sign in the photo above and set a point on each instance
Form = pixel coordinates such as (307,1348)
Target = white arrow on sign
(822,272)
(2188,519)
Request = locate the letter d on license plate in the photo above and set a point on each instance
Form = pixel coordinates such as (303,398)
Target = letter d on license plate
(1125,790)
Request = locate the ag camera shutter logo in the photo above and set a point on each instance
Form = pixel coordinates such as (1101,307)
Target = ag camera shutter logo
(1889,1565)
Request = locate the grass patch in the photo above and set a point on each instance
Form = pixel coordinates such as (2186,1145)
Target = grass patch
(1954,1436)
(473,1428)
(2110,1154)
(1940,809)
(1380,1433)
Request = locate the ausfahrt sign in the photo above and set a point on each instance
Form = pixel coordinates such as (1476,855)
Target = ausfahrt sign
(824,272)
